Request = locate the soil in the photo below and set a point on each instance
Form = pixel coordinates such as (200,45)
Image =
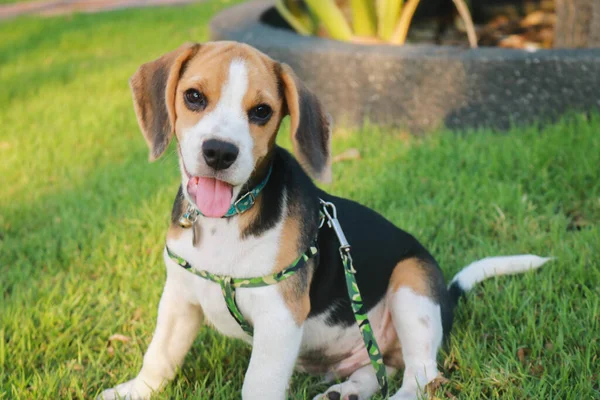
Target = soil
(510,27)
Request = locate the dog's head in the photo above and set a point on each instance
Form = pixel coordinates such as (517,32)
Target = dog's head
(224,102)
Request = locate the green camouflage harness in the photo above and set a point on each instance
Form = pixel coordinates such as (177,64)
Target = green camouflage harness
(328,214)
(229,284)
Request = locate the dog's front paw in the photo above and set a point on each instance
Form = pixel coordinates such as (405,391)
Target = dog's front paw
(132,390)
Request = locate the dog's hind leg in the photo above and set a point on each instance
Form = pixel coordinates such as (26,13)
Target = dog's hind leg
(417,319)
(176,328)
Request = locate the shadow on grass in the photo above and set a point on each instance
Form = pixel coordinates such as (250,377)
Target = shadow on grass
(48,32)
(16,88)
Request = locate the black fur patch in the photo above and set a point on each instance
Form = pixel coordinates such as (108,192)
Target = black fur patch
(377,247)
(178,207)
(313,130)
(271,204)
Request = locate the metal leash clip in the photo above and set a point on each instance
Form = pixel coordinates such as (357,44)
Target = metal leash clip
(330,213)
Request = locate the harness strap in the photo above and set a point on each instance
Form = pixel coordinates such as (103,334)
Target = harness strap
(229,284)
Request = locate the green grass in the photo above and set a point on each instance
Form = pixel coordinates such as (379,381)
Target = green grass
(83,218)
(6,2)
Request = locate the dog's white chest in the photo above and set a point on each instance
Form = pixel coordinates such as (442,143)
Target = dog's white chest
(220,250)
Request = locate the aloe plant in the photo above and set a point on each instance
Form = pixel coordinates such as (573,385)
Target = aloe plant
(364,21)
(332,18)
(300,20)
(388,12)
(372,20)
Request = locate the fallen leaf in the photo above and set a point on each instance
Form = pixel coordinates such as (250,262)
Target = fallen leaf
(75,365)
(522,354)
(350,154)
(512,42)
(117,337)
(450,395)
(436,383)
(137,314)
(450,363)
(577,222)
(110,350)
(538,18)
(537,370)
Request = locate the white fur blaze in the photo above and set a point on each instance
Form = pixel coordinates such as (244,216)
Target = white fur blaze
(227,122)
(493,266)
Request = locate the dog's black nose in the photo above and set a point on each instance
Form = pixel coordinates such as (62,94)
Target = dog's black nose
(219,154)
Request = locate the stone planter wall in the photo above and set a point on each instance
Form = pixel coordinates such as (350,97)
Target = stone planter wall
(424,87)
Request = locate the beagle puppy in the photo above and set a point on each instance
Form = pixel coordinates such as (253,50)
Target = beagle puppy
(224,102)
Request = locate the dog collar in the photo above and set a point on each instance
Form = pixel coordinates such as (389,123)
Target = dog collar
(240,206)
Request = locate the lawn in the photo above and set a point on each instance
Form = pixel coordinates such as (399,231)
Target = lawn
(83,218)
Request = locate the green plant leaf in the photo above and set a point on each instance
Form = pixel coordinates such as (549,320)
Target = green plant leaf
(363,17)
(302,24)
(332,19)
(401,30)
(388,12)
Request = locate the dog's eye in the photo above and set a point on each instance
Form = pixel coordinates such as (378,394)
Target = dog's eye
(195,100)
(260,114)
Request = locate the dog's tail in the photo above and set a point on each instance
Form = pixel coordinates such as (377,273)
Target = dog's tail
(491,266)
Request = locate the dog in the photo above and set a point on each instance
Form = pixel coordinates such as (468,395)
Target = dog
(224,103)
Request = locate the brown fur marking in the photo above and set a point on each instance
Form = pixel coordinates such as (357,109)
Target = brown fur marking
(196,234)
(392,357)
(206,73)
(247,218)
(296,299)
(153,89)
(411,273)
(174,232)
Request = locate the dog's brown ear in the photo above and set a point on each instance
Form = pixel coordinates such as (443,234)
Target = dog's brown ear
(153,87)
(310,126)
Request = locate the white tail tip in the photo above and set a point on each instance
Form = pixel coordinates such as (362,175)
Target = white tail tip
(494,266)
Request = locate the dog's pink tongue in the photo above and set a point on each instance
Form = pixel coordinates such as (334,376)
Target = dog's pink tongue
(213,197)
